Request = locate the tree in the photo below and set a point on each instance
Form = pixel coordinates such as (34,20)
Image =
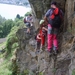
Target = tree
(27,13)
(2,19)
(1,32)
(18,16)
(7,25)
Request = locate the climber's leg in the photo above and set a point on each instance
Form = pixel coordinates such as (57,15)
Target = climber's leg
(42,42)
(38,45)
(55,40)
(28,27)
(50,37)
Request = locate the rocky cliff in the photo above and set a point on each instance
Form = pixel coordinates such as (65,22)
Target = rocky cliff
(42,64)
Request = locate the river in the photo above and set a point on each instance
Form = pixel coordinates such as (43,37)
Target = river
(10,11)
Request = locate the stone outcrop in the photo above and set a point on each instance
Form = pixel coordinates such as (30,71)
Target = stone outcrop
(39,8)
(62,64)
(43,64)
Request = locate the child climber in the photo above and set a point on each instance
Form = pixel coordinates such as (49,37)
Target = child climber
(41,36)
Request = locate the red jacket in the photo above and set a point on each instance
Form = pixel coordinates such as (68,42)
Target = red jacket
(41,34)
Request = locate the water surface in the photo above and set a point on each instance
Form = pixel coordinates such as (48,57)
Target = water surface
(10,11)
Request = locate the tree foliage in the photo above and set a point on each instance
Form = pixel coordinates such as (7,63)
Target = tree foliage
(18,16)
(27,13)
(5,28)
(6,25)
(2,19)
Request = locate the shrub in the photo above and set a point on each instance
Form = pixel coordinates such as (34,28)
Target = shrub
(73,72)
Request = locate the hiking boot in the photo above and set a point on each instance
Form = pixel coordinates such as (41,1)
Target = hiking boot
(37,52)
(50,52)
(55,52)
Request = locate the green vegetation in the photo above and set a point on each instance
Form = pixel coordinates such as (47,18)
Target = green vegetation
(5,67)
(54,70)
(8,29)
(12,40)
(6,25)
(2,19)
(5,28)
(73,72)
(2,45)
(41,73)
(26,72)
(28,13)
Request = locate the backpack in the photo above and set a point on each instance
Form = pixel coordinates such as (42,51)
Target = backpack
(56,22)
(25,20)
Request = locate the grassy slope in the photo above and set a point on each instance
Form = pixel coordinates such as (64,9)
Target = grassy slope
(4,63)
(2,45)
(5,67)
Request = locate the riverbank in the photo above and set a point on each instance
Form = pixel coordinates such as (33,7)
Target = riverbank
(2,40)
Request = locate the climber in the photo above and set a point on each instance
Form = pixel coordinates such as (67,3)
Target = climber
(41,36)
(28,22)
(54,21)
(30,19)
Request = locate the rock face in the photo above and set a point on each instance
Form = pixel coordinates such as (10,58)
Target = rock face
(39,8)
(62,64)
(42,64)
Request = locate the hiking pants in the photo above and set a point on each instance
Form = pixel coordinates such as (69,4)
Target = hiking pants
(52,38)
(43,40)
(38,45)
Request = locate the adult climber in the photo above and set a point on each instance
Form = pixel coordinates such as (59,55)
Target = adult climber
(53,16)
(28,22)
